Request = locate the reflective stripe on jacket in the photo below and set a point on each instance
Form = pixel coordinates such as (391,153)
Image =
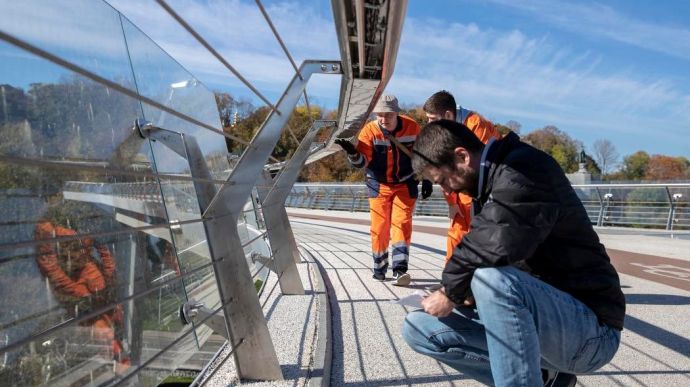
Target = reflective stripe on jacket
(384,162)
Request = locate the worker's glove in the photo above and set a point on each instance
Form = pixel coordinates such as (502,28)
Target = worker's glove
(346,145)
(427,188)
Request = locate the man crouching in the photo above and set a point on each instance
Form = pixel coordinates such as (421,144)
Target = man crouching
(546,302)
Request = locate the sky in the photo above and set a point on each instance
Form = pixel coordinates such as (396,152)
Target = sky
(615,70)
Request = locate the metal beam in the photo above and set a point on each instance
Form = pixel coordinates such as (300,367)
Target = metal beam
(368,35)
(283,244)
(256,358)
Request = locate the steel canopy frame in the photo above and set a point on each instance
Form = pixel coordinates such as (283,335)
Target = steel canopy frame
(256,357)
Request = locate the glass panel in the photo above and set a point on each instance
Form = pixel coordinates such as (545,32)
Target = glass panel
(105,346)
(75,277)
(190,238)
(80,201)
(162,79)
(192,247)
(87,33)
(71,119)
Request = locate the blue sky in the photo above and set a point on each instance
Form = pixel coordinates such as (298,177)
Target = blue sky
(614,70)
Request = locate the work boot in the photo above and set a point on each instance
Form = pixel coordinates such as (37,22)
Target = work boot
(557,378)
(401,279)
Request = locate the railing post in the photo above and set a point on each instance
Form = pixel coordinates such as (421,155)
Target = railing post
(310,198)
(669,221)
(255,358)
(283,244)
(327,199)
(354,200)
(600,218)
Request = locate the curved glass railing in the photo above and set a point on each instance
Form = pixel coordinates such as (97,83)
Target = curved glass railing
(102,232)
(661,206)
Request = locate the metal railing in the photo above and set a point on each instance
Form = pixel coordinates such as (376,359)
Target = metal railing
(661,206)
(165,190)
(202,204)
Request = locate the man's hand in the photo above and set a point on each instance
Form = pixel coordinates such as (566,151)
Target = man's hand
(427,188)
(346,145)
(438,304)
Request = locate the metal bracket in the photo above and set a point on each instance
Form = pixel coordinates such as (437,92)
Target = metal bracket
(192,310)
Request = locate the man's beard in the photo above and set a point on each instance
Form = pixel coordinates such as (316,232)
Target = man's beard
(470,181)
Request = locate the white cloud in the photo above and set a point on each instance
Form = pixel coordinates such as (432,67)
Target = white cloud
(603,21)
(60,28)
(502,74)
(240,33)
(508,75)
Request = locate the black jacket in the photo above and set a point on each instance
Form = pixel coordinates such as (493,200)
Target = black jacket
(528,213)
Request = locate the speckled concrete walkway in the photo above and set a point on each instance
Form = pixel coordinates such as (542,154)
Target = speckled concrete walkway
(346,329)
(369,350)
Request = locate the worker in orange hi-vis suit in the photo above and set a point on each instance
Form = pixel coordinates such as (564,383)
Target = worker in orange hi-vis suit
(441,105)
(384,148)
(78,279)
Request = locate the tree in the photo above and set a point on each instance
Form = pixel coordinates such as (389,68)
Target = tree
(514,126)
(635,166)
(605,155)
(667,168)
(557,144)
(591,166)
(510,126)
(230,107)
(417,114)
(333,168)
(502,129)
(299,123)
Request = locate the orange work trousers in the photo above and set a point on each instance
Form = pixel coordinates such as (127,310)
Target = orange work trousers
(460,224)
(391,220)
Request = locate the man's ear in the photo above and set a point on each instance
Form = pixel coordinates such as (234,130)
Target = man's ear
(449,115)
(462,156)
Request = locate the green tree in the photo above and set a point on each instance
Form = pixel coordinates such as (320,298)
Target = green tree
(557,144)
(635,166)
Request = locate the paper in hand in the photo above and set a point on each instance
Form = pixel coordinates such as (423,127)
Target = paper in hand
(414,300)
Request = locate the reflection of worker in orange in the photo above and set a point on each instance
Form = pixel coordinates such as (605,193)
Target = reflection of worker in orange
(384,147)
(441,105)
(80,280)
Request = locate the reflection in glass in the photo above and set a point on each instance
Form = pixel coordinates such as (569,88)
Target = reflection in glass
(162,79)
(92,259)
(73,278)
(70,119)
(85,32)
(108,345)
(83,200)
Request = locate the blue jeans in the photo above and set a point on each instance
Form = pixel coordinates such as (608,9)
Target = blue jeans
(526,324)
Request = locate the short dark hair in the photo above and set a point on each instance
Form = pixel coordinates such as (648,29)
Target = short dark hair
(439,103)
(436,143)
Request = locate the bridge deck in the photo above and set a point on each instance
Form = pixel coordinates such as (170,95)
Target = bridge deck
(366,345)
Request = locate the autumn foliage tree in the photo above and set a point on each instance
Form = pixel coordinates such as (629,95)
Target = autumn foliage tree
(667,168)
(241,119)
